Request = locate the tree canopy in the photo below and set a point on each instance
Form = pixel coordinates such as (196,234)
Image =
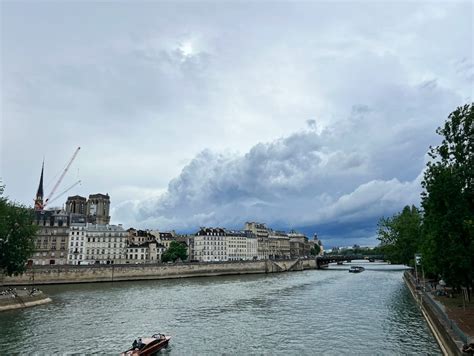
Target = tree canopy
(444,228)
(400,235)
(315,250)
(17,234)
(175,251)
(448,201)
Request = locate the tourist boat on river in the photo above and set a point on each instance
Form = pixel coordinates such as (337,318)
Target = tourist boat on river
(148,345)
(356,269)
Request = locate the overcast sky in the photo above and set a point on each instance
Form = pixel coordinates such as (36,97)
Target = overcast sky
(315,116)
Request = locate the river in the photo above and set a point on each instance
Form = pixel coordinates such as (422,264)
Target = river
(297,313)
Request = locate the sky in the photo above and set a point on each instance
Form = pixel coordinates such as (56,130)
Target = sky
(314,116)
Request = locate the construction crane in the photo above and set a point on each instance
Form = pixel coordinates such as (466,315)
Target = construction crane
(64,191)
(61,178)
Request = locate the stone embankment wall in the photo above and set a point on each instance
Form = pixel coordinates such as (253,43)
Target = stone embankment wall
(109,273)
(447,340)
(19,301)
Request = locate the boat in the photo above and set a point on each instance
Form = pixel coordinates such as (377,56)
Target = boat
(148,345)
(356,269)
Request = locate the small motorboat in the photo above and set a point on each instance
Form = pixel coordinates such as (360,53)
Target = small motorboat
(148,345)
(356,269)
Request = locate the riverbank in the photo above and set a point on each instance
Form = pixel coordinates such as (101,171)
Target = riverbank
(22,299)
(65,274)
(448,335)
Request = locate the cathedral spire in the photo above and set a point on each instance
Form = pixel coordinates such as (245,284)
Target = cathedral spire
(39,193)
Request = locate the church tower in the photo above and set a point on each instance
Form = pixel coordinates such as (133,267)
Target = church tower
(39,193)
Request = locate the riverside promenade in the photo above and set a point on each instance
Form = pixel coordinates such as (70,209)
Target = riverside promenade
(451,322)
(22,298)
(65,274)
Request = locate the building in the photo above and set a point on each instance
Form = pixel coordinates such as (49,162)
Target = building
(278,245)
(164,237)
(147,252)
(52,237)
(241,245)
(97,210)
(210,245)
(39,192)
(261,232)
(299,245)
(218,244)
(143,247)
(97,244)
(76,205)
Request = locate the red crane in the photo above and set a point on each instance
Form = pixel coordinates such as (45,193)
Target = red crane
(61,178)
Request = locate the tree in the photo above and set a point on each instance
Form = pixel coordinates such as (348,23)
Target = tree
(315,250)
(175,251)
(400,235)
(17,235)
(448,201)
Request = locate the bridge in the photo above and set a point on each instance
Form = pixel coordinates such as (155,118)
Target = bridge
(323,261)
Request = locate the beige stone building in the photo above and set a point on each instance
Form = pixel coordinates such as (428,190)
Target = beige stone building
(52,237)
(261,232)
(241,246)
(299,245)
(278,245)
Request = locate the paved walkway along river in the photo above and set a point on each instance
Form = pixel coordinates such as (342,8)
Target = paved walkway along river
(310,312)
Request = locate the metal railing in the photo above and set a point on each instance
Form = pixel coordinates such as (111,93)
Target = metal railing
(435,306)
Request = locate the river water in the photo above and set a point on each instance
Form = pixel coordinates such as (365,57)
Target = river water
(299,313)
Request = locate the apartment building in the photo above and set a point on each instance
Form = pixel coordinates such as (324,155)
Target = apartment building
(97,244)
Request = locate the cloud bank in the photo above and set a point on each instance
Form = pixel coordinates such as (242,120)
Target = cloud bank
(350,173)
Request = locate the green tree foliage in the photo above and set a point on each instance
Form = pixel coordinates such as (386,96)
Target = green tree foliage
(17,235)
(400,235)
(175,251)
(448,201)
(315,250)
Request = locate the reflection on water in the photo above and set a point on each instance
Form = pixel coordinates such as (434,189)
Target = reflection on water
(330,312)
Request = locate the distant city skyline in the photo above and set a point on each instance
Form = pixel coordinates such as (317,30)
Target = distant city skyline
(312,116)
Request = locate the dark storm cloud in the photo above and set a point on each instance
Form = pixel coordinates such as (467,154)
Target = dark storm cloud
(361,168)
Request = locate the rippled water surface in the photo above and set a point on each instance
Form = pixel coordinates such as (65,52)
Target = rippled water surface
(310,312)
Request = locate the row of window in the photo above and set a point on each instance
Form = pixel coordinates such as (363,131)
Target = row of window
(111,239)
(81,257)
(53,247)
(44,254)
(53,239)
